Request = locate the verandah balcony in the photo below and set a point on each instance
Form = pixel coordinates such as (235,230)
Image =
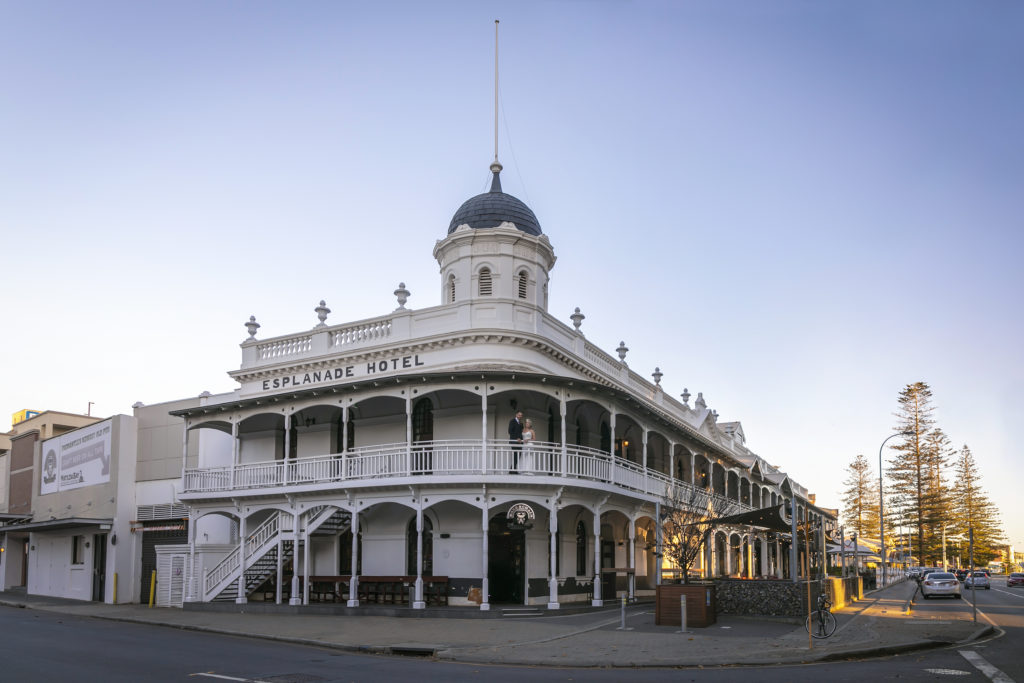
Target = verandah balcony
(451,460)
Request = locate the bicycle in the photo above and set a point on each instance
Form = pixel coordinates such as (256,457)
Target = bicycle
(821,623)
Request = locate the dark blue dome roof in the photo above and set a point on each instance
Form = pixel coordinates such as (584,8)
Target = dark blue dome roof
(491,209)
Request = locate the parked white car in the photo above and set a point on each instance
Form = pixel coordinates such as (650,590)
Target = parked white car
(940,583)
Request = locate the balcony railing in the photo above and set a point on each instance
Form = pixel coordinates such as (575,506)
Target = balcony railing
(437,459)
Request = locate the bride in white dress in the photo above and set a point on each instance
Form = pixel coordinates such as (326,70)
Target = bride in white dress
(526,464)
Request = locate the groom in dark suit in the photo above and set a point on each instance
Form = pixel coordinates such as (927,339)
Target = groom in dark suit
(515,437)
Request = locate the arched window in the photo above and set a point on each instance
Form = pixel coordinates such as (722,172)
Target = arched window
(606,437)
(554,426)
(581,549)
(428,547)
(523,280)
(423,420)
(485,282)
(451,288)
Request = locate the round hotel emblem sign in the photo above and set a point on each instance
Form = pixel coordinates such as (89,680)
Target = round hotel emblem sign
(520,517)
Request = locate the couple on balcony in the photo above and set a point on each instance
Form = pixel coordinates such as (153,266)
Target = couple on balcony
(521,436)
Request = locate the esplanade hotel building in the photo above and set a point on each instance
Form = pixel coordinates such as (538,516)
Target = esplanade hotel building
(370,460)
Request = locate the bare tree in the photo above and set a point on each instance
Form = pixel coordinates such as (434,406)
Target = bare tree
(690,512)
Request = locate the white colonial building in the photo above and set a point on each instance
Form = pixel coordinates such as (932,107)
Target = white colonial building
(370,461)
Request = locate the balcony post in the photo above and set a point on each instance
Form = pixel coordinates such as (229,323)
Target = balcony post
(644,441)
(419,603)
(597,601)
(483,442)
(565,446)
(241,599)
(295,599)
(353,583)
(611,462)
(408,435)
(287,447)
(344,442)
(553,533)
(234,452)
(190,592)
(485,604)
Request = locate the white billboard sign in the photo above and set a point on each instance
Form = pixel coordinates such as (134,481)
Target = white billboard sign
(76,459)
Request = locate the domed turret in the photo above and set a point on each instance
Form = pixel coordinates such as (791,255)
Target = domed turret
(491,209)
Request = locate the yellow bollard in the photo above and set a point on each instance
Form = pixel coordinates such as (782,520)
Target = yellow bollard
(113,600)
(152,588)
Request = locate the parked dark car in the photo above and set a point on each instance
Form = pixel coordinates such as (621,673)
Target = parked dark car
(961,574)
(1015,579)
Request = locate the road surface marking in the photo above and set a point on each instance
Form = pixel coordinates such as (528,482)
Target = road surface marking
(982,665)
(229,678)
(1016,595)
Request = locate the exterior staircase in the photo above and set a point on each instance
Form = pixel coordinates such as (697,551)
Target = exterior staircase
(221,583)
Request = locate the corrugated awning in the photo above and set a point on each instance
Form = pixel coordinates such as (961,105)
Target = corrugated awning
(59,524)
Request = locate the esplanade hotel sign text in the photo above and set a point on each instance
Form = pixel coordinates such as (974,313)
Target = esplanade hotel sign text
(370,368)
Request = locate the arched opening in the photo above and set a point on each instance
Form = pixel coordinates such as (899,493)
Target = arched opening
(523,281)
(581,549)
(451,289)
(506,561)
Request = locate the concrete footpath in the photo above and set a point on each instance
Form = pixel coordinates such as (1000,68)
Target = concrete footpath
(881,624)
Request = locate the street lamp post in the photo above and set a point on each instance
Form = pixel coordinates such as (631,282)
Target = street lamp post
(881,504)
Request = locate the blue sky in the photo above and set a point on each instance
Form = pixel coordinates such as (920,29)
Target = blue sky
(796,208)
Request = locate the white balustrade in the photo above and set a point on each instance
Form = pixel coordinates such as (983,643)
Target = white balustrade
(453,458)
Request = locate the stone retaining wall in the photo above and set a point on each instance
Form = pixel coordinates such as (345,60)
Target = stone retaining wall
(779,598)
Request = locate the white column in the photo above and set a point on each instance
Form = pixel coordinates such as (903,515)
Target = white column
(597,601)
(287,448)
(344,429)
(632,559)
(778,558)
(305,564)
(344,442)
(644,440)
(408,435)
(353,582)
(241,599)
(611,467)
(763,542)
(658,544)
(728,554)
(749,558)
(295,599)
(565,447)
(418,603)
(672,459)
(234,451)
(280,567)
(287,437)
(483,448)
(693,469)
(553,576)
(190,594)
(485,604)
(184,449)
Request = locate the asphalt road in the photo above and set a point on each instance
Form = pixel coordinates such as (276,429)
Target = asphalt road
(46,646)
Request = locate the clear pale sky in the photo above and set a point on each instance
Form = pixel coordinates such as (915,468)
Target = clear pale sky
(796,208)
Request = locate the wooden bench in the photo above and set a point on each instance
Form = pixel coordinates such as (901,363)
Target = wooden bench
(393,590)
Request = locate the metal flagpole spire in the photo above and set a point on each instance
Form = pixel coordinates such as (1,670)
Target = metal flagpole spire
(496,91)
